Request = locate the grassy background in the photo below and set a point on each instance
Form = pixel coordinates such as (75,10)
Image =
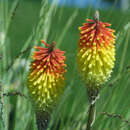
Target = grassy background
(36,20)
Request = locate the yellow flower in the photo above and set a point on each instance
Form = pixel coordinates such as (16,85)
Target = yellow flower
(96,52)
(46,78)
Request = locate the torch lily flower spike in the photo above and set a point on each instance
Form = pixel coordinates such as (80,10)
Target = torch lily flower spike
(96,52)
(46,78)
(96,57)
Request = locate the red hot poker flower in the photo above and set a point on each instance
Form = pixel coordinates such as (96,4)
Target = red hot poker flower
(46,77)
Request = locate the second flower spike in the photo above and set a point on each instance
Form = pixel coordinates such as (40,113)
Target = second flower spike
(96,52)
(96,58)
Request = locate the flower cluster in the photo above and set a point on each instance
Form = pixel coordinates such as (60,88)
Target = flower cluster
(46,77)
(96,52)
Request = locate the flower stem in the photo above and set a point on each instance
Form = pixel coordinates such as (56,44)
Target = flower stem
(42,120)
(93,95)
(91,116)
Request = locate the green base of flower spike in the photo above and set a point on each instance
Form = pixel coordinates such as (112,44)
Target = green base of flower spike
(42,119)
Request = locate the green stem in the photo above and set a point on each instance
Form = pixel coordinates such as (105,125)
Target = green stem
(42,120)
(93,95)
(91,116)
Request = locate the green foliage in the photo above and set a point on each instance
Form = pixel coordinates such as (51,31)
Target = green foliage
(33,21)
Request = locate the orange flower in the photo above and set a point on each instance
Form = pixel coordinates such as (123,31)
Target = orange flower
(96,52)
(46,77)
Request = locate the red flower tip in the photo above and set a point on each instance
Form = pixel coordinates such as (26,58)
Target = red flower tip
(96,33)
(49,59)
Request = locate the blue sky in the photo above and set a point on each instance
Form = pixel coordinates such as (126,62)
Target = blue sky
(85,3)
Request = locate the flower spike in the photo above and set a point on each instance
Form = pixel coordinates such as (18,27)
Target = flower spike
(96,51)
(46,78)
(96,57)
